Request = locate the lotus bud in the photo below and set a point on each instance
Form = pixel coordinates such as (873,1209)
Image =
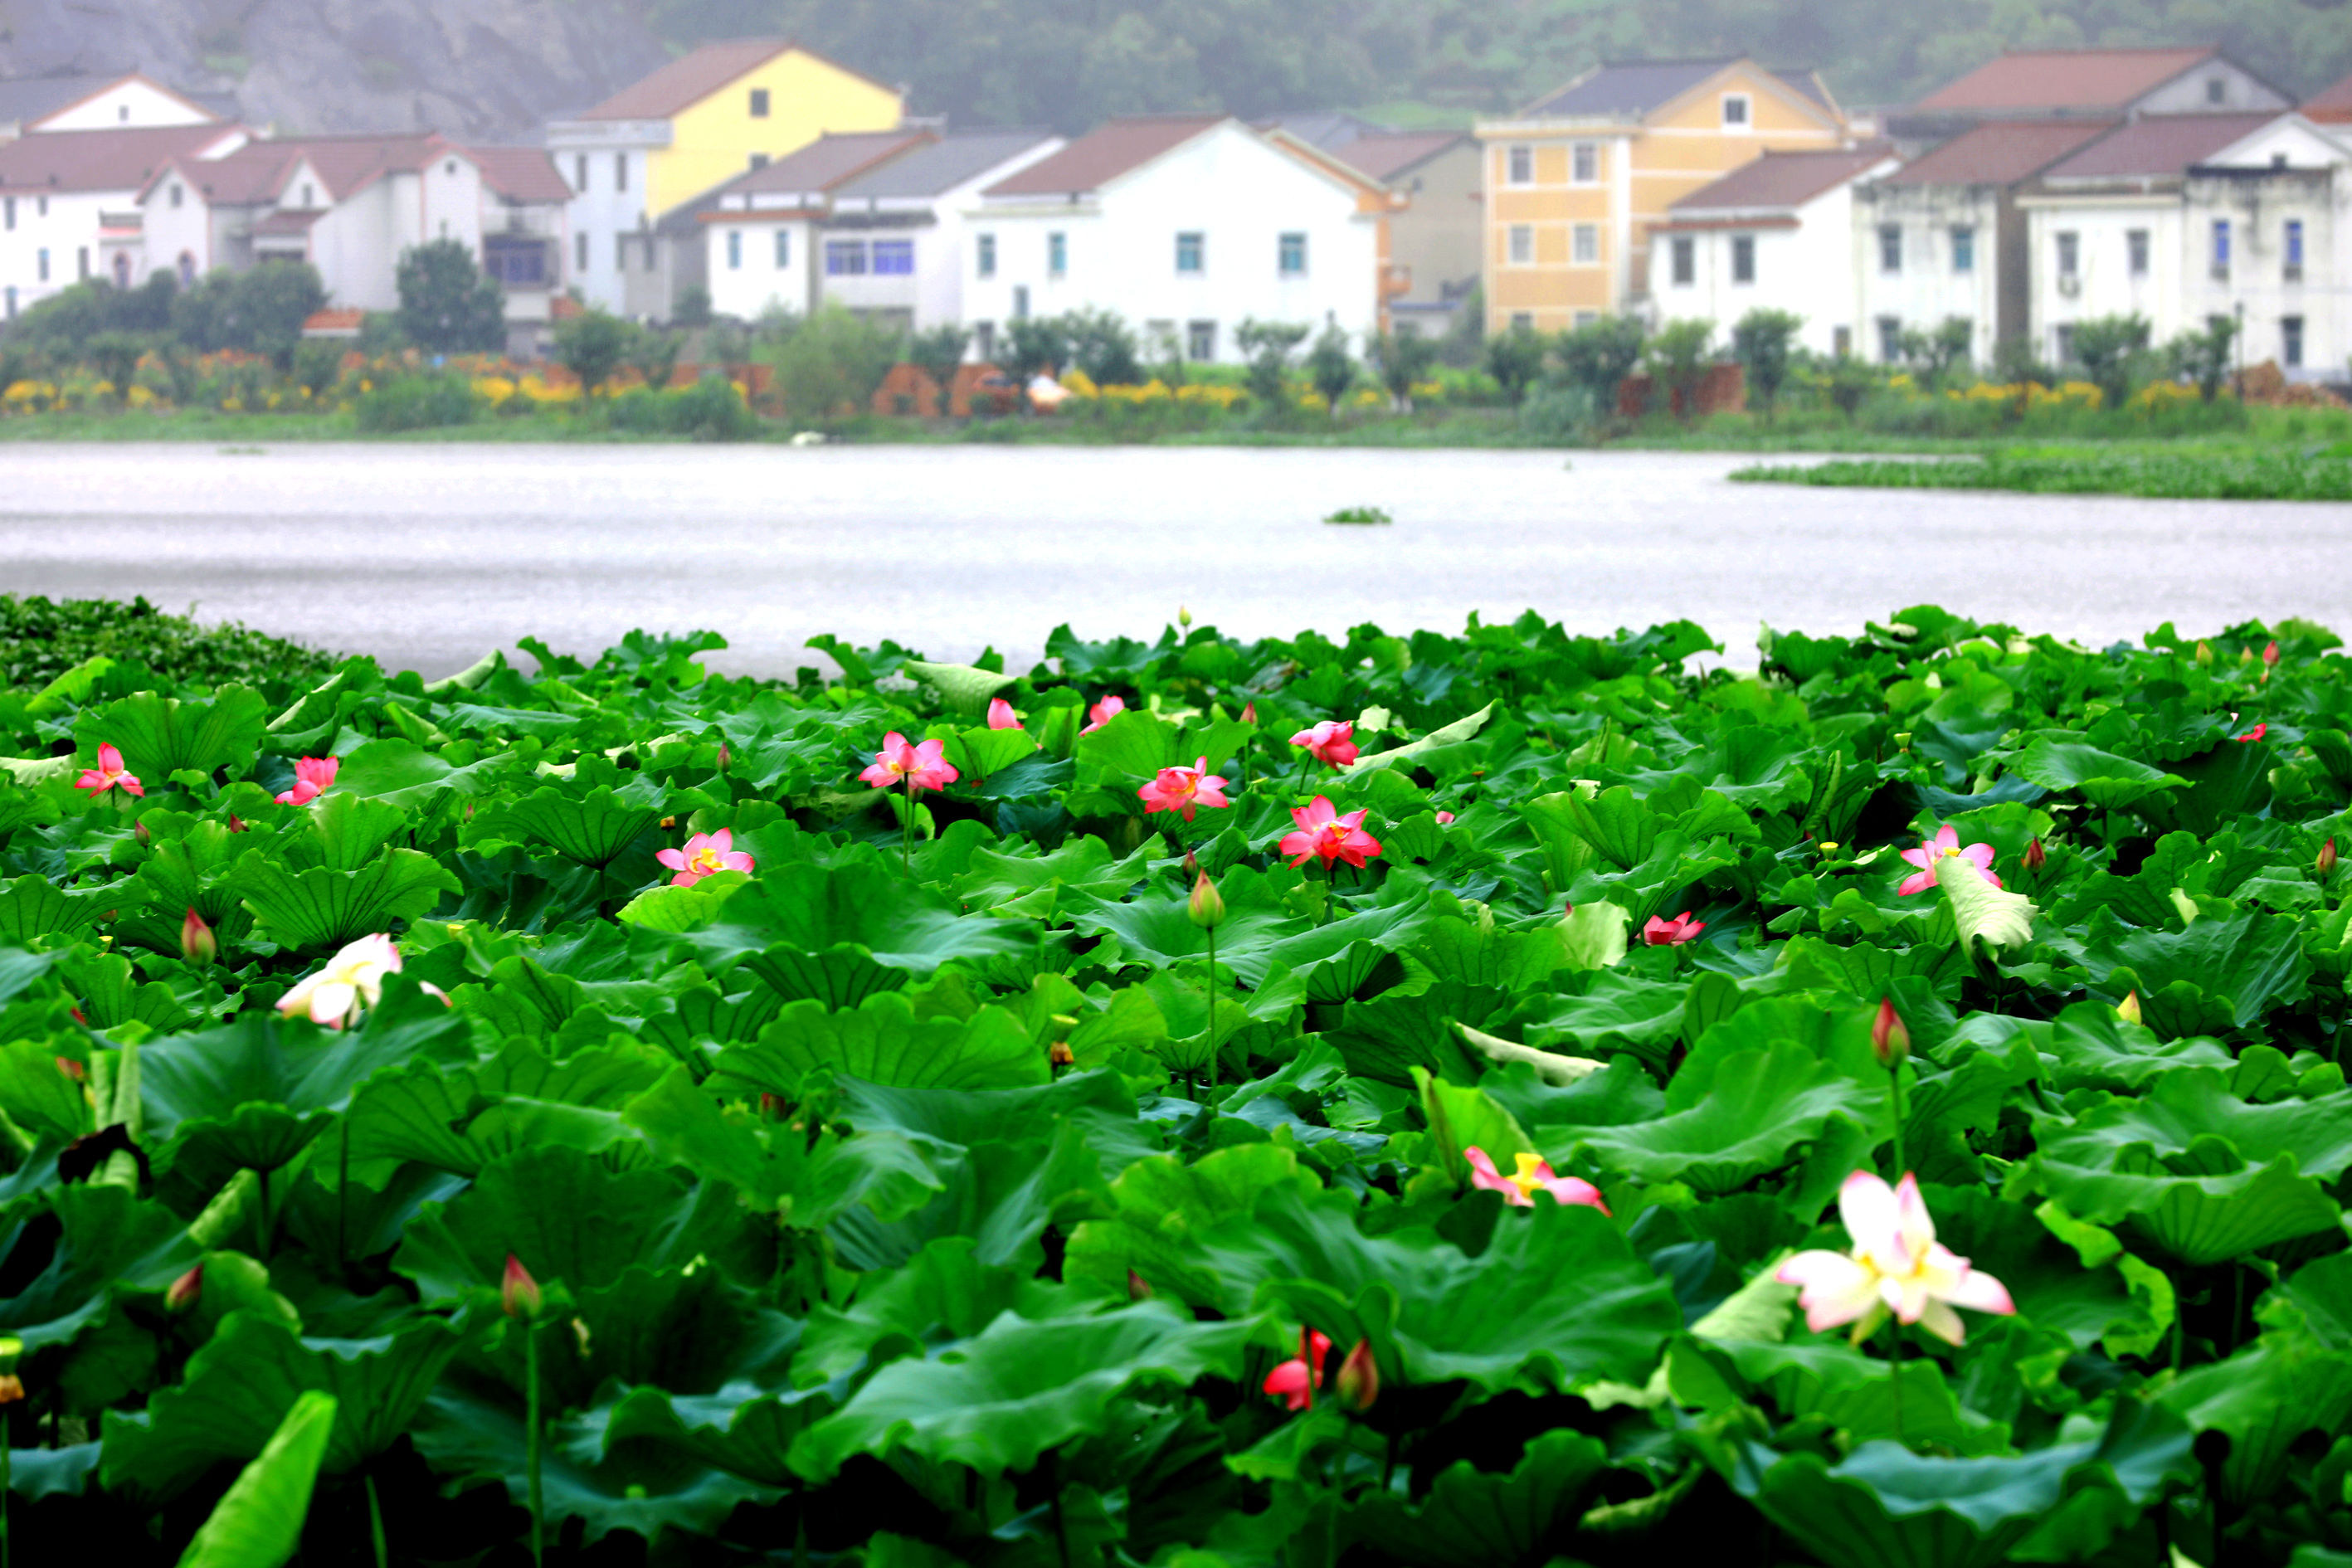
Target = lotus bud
(73,1069)
(1061,1055)
(2270,657)
(2326,861)
(1137,1290)
(185,1289)
(12,1389)
(143,837)
(2036,856)
(1192,867)
(518,1292)
(2204,656)
(1890,1042)
(235,824)
(1249,712)
(197,943)
(723,756)
(1184,616)
(1359,1377)
(1207,909)
(2129,1008)
(772,1106)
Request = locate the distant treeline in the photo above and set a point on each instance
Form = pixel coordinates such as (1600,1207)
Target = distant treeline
(1068,63)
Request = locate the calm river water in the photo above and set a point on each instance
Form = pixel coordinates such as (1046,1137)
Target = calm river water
(427,556)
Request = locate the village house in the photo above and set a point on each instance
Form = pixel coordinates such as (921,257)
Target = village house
(1575,181)
(68,204)
(754,238)
(1434,233)
(34,105)
(1777,232)
(689,127)
(2181,219)
(1186,226)
(2101,84)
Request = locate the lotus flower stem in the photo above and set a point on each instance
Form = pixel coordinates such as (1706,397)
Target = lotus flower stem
(1212,1014)
(1061,1526)
(531,1430)
(907,829)
(342,1215)
(375,1524)
(1895,1375)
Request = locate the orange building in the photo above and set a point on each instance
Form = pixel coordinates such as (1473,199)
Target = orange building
(1574,183)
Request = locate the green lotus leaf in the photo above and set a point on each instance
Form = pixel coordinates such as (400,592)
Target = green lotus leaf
(159,736)
(320,908)
(2108,782)
(1472,1517)
(966,688)
(403,774)
(35,907)
(257,1523)
(881,1041)
(1463,728)
(812,912)
(1762,1106)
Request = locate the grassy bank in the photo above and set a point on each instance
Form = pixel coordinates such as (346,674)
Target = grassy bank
(2203,472)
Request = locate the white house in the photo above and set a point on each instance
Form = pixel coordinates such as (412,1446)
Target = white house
(30,105)
(1186,226)
(68,204)
(1777,232)
(347,204)
(896,244)
(2181,219)
(526,217)
(749,241)
(1942,236)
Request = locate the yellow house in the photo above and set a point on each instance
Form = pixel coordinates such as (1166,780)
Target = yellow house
(1574,183)
(694,124)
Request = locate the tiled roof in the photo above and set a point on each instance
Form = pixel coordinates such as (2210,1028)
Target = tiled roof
(102,160)
(2331,104)
(1783,180)
(350,162)
(2000,153)
(1104,154)
(1329,129)
(2053,79)
(522,174)
(692,77)
(2157,145)
(287,223)
(1628,87)
(929,171)
(25,100)
(1384,157)
(826,162)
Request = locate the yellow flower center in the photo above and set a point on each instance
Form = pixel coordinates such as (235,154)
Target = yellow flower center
(704,862)
(1532,1174)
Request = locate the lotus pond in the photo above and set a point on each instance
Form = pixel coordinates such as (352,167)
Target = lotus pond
(621,1114)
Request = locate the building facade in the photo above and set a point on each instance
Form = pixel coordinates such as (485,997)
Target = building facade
(68,204)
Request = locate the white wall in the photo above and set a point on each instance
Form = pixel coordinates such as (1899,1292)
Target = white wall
(65,224)
(130,102)
(1927,290)
(168,231)
(1808,269)
(757,285)
(1229,186)
(2105,284)
(601,209)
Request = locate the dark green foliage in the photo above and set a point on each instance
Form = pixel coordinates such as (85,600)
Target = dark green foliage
(2284,474)
(1332,367)
(257,311)
(1515,360)
(1103,346)
(591,346)
(2109,348)
(1404,361)
(448,305)
(1761,342)
(40,639)
(1267,347)
(434,400)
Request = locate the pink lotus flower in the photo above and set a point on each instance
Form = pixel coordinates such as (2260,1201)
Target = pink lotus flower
(312,777)
(2256,734)
(1659,932)
(1534,1175)
(1897,1267)
(1181,789)
(1295,1379)
(1103,712)
(1444,819)
(1332,742)
(1000,715)
(109,773)
(706,854)
(1323,832)
(1946,843)
(919,767)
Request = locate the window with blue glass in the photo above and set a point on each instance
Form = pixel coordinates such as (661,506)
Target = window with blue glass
(2221,246)
(1294,255)
(2292,249)
(845,258)
(1190,250)
(1057,253)
(1964,248)
(734,249)
(784,248)
(894,258)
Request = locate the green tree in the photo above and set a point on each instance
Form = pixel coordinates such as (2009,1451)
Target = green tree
(1034,345)
(652,354)
(1463,346)
(115,356)
(1679,355)
(1515,359)
(1598,356)
(693,308)
(448,305)
(1763,341)
(2111,350)
(1403,360)
(2203,357)
(1934,355)
(259,311)
(1267,347)
(591,346)
(1332,367)
(1103,346)
(1850,380)
(318,364)
(833,360)
(938,351)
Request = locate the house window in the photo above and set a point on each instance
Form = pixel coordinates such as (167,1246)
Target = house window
(1584,163)
(2063,341)
(2136,250)
(1201,342)
(1686,260)
(2290,341)
(1523,320)
(845,258)
(2291,250)
(1890,340)
(9,212)
(620,171)
(984,341)
(1587,318)
(620,253)
(1021,302)
(187,270)
(1735,112)
(734,250)
(82,263)
(1522,240)
(1519,165)
(450,168)
(2217,89)
(1057,255)
(2221,249)
(1292,256)
(1890,248)
(580,253)
(894,258)
(579,173)
(518,261)
(2070,252)
(41,266)
(1964,248)
(784,248)
(758,160)
(758,103)
(1743,258)
(1189,248)
(179,194)
(987,255)
(1585,242)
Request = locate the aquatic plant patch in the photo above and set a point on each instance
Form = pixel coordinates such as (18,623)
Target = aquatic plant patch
(1413,1099)
(2247,473)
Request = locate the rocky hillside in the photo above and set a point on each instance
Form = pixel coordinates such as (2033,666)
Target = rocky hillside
(482,69)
